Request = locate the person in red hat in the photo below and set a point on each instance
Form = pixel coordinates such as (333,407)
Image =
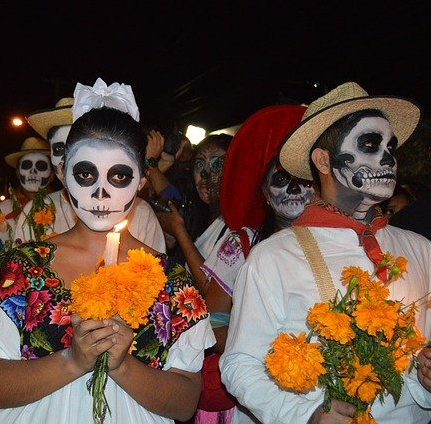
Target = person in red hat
(255,198)
(34,172)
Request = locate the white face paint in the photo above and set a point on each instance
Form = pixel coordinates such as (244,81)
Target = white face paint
(57,143)
(34,171)
(286,195)
(365,161)
(102,181)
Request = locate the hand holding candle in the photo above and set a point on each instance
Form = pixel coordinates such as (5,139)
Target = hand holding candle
(110,256)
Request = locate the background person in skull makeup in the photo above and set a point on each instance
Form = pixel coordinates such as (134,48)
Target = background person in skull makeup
(347,139)
(34,171)
(255,196)
(197,234)
(103,172)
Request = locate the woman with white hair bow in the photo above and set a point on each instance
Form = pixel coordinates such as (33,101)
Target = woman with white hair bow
(48,354)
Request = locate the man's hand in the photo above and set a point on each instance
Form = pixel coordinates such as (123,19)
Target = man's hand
(424,368)
(340,413)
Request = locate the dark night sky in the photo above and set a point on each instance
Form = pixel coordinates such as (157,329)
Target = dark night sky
(209,63)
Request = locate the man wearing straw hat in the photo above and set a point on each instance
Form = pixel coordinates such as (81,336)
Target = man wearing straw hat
(34,172)
(54,125)
(346,140)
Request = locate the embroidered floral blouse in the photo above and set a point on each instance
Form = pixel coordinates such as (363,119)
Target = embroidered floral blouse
(33,295)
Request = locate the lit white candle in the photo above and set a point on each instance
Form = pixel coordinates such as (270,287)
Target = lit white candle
(110,256)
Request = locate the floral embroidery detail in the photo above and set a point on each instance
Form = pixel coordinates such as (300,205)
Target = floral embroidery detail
(27,353)
(190,303)
(52,282)
(43,251)
(60,314)
(66,340)
(162,325)
(35,271)
(40,308)
(37,308)
(15,309)
(230,249)
(12,280)
(37,283)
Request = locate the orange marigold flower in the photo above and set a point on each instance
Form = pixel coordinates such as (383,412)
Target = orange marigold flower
(398,268)
(361,276)
(402,360)
(414,340)
(294,363)
(377,316)
(129,289)
(44,217)
(93,297)
(2,217)
(329,324)
(364,383)
(375,291)
(363,417)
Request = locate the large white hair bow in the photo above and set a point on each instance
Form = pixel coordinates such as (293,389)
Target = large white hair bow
(117,96)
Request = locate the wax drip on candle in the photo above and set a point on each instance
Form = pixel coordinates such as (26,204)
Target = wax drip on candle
(110,256)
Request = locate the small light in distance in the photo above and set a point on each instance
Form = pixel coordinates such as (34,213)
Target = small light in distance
(17,121)
(195,134)
(2,197)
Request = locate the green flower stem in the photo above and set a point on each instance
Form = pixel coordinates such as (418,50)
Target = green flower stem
(96,386)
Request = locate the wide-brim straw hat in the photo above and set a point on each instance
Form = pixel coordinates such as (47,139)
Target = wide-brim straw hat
(43,120)
(403,115)
(256,142)
(30,145)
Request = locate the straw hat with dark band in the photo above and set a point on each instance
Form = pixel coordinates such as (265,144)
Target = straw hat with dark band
(43,120)
(256,142)
(402,114)
(30,145)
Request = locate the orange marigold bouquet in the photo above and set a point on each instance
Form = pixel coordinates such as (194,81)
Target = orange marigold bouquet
(365,341)
(128,289)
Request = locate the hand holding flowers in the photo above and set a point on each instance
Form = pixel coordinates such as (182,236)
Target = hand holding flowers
(365,341)
(127,291)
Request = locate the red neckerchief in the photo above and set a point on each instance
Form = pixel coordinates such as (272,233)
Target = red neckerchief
(322,214)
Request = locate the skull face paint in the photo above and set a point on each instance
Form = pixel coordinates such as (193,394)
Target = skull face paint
(364,161)
(34,171)
(208,166)
(57,142)
(286,195)
(102,181)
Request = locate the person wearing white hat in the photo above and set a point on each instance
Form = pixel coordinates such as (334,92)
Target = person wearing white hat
(54,125)
(34,172)
(346,140)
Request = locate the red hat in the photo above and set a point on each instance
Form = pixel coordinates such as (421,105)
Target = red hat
(253,146)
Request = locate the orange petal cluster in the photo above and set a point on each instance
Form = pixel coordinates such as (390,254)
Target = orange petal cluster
(294,363)
(128,289)
(330,325)
(44,217)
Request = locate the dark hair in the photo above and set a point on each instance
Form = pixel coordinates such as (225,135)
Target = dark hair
(219,140)
(330,139)
(110,125)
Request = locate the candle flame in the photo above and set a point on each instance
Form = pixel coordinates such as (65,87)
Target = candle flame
(120,226)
